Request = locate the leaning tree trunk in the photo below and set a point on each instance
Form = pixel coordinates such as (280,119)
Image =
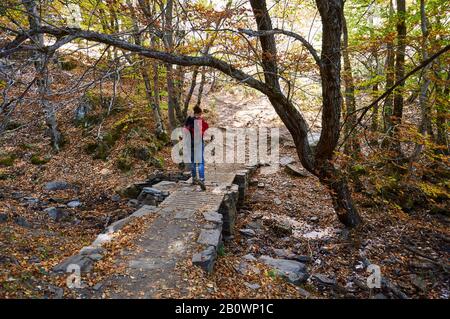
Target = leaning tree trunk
(320,164)
(43,78)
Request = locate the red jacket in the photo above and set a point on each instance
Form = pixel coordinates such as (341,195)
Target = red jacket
(189,125)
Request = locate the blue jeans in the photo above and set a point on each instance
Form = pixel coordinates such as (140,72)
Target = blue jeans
(201,164)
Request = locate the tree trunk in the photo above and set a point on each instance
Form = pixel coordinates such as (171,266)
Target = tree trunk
(191,91)
(390,79)
(442,115)
(43,81)
(399,72)
(168,43)
(321,165)
(201,87)
(331,12)
(376,66)
(159,125)
(351,145)
(425,125)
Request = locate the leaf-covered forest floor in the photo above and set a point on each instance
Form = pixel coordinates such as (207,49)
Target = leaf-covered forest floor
(289,215)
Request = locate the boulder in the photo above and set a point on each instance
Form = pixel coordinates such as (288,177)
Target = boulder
(295,171)
(281,229)
(210,237)
(285,160)
(293,271)
(74,204)
(57,214)
(249,257)
(324,280)
(252,286)
(83,261)
(205,259)
(56,186)
(247,232)
(213,217)
(30,200)
(19,220)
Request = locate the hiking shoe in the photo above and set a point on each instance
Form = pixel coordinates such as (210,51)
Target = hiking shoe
(202,185)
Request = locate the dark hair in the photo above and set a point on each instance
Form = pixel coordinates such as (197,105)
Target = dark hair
(197,110)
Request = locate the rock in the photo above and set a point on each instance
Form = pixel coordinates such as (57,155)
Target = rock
(98,286)
(56,185)
(19,220)
(85,259)
(115,198)
(241,268)
(303,292)
(58,292)
(294,271)
(117,225)
(285,160)
(314,219)
(133,203)
(3,217)
(252,286)
(277,201)
(261,185)
(16,195)
(324,280)
(74,204)
(254,225)
(303,259)
(228,209)
(281,229)
(30,200)
(297,279)
(210,237)
(213,217)
(82,261)
(57,214)
(418,282)
(249,257)
(144,211)
(205,259)
(57,200)
(131,191)
(283,253)
(295,171)
(165,186)
(247,232)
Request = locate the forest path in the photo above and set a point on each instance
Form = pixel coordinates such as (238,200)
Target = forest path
(184,226)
